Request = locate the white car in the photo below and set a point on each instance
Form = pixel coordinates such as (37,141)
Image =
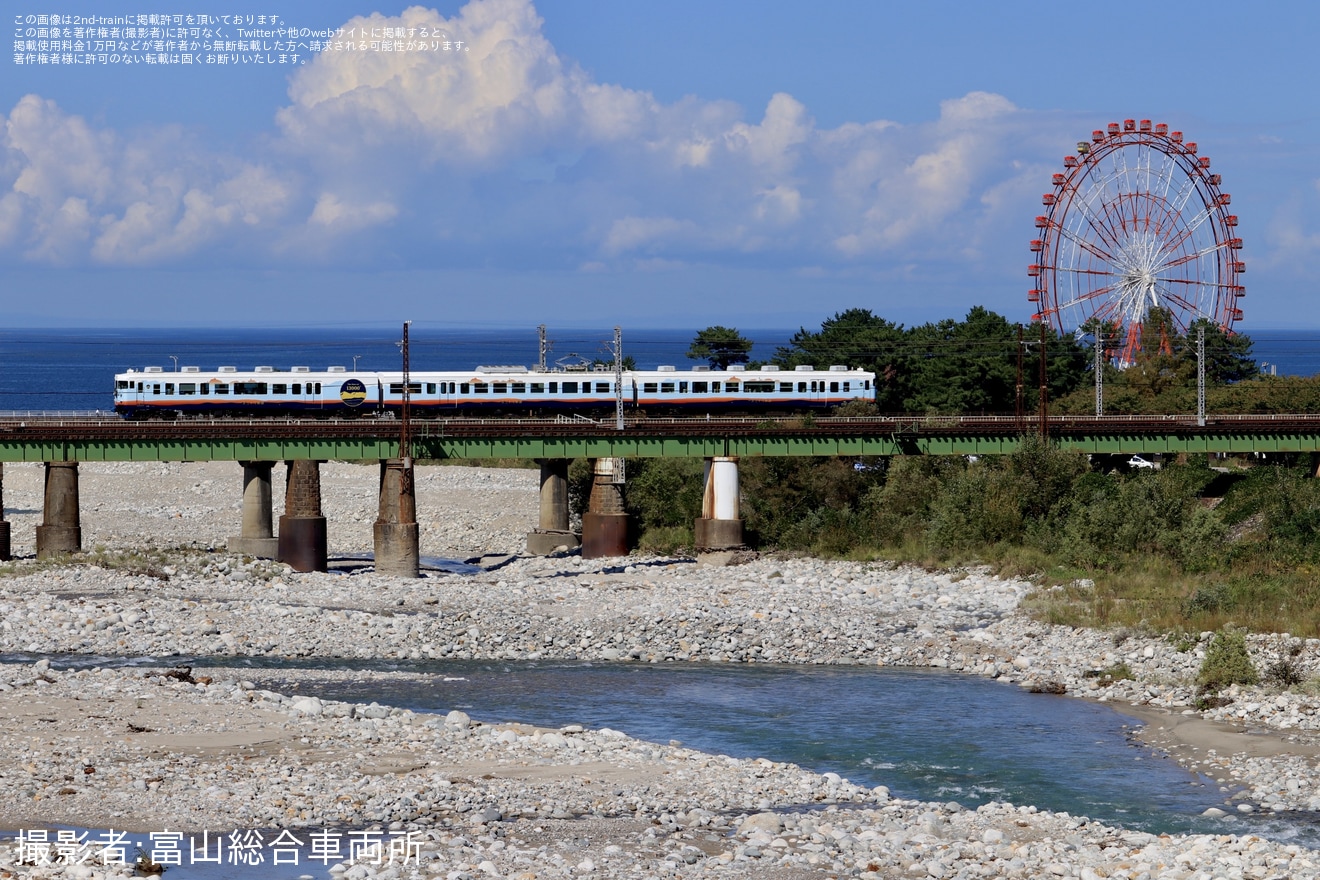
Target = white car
(1137,461)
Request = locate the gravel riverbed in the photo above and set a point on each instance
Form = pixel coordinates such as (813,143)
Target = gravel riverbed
(139,750)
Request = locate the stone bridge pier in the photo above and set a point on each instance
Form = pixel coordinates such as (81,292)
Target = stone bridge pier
(257,537)
(5,551)
(395,532)
(61,526)
(605,524)
(302,539)
(552,531)
(720,525)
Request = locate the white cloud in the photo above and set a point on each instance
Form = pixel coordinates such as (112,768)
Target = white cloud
(76,193)
(340,216)
(440,149)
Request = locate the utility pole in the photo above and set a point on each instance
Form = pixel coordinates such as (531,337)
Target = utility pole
(1020,405)
(618,379)
(405,426)
(1200,376)
(543,346)
(1044,395)
(1099,373)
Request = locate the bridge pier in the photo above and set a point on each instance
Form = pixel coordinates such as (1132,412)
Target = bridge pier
(395,532)
(5,553)
(302,540)
(257,537)
(605,524)
(61,528)
(552,531)
(720,525)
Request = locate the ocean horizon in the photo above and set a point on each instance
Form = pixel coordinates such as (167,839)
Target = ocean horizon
(72,369)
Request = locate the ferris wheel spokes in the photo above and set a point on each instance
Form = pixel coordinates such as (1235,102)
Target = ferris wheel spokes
(1136,222)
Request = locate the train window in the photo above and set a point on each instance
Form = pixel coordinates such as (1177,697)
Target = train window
(554,388)
(802,387)
(682,387)
(602,387)
(430,388)
(277,388)
(413,388)
(169,387)
(846,385)
(666,387)
(570,387)
(500,387)
(518,387)
(187,387)
(538,388)
(249,387)
(866,385)
(479,388)
(297,388)
(759,387)
(650,387)
(465,388)
(316,389)
(700,387)
(204,388)
(155,389)
(785,386)
(715,387)
(122,385)
(221,388)
(834,387)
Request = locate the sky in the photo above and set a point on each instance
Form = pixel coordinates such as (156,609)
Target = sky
(587,164)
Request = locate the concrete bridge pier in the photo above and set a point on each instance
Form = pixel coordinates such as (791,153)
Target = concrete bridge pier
(395,532)
(61,528)
(257,537)
(605,524)
(720,525)
(552,532)
(302,540)
(5,554)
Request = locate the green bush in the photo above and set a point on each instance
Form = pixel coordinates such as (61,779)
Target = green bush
(1226,662)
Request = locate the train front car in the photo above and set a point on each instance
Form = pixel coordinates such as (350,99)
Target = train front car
(261,391)
(769,389)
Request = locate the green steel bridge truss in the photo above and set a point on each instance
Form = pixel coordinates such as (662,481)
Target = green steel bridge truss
(93,439)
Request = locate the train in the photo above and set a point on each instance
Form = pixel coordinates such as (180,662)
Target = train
(338,392)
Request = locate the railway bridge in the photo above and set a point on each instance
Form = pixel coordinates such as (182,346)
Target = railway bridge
(61,441)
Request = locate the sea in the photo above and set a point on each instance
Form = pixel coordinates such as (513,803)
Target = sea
(72,370)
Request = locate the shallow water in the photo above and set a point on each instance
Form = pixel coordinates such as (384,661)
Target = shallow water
(924,734)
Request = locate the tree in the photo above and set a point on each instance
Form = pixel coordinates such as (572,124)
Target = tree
(855,338)
(967,366)
(720,346)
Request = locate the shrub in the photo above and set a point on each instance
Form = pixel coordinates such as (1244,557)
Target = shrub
(1226,661)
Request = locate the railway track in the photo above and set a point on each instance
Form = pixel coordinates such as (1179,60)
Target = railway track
(104,427)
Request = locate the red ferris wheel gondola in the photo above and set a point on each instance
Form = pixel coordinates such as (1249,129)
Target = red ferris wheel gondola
(1136,221)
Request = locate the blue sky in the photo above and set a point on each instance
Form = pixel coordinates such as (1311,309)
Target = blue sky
(760,165)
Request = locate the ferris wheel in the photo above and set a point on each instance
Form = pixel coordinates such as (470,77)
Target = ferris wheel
(1136,221)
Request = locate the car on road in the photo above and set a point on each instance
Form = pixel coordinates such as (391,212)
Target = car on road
(1137,461)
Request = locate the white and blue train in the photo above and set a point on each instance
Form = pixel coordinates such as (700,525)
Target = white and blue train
(337,392)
